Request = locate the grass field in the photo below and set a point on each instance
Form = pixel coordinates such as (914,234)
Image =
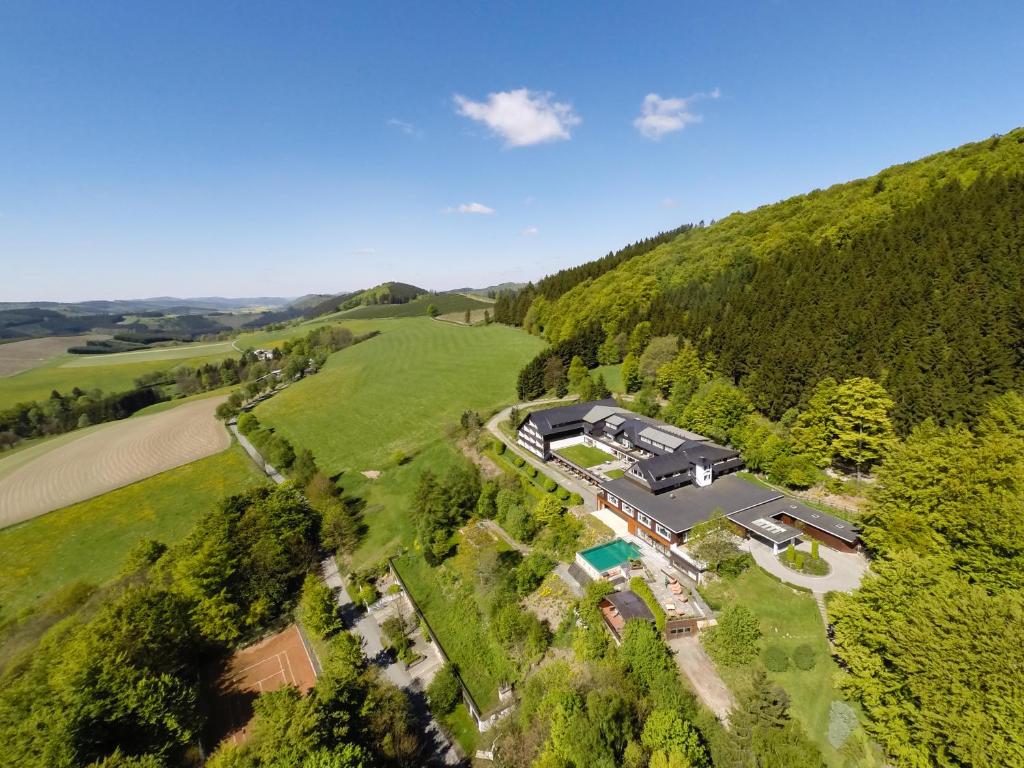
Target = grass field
(397,392)
(88,541)
(788,619)
(584,455)
(445,302)
(612,377)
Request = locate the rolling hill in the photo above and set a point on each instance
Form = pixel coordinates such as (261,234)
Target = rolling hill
(911,276)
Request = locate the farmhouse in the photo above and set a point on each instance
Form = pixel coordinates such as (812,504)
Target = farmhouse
(673,480)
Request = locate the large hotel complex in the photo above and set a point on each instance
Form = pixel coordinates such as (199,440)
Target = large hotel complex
(663,480)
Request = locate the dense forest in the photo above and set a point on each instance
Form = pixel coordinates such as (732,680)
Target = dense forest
(911,277)
(511,306)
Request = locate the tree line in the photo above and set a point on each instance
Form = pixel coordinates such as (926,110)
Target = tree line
(511,306)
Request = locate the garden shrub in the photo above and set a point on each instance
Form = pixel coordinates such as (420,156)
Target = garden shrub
(798,561)
(550,485)
(804,657)
(842,721)
(639,586)
(575,500)
(518,461)
(499,447)
(733,641)
(531,471)
(444,692)
(776,659)
(247,422)
(563,494)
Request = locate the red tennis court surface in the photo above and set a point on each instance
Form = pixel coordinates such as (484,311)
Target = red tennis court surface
(270,664)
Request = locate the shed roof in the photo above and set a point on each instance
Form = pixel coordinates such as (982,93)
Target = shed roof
(630,605)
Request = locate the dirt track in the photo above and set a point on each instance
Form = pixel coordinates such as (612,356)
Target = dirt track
(111,456)
(18,356)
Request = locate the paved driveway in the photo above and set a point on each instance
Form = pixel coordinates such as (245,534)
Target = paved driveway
(847,568)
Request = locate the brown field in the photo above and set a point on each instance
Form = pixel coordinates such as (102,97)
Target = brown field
(475,316)
(270,664)
(18,356)
(106,457)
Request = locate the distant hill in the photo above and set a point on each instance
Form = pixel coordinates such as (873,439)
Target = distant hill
(444,302)
(491,290)
(912,276)
(163,317)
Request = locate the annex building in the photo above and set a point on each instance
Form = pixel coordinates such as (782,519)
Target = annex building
(670,480)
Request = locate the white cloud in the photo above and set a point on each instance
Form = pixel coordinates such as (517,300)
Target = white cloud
(470,208)
(530,232)
(521,117)
(659,116)
(409,129)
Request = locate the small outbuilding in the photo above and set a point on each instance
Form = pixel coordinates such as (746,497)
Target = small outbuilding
(620,607)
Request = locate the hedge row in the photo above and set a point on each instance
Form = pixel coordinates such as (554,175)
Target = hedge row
(638,585)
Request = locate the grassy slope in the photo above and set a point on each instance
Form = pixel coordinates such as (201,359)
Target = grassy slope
(788,619)
(446,596)
(87,541)
(821,215)
(445,302)
(397,392)
(612,377)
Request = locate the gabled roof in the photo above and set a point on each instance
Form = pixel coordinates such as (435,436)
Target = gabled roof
(601,412)
(551,421)
(669,441)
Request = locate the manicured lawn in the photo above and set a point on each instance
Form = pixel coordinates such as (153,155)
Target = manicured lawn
(451,610)
(612,376)
(584,455)
(88,541)
(615,473)
(397,392)
(788,619)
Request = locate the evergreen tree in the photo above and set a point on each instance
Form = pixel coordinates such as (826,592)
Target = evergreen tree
(630,373)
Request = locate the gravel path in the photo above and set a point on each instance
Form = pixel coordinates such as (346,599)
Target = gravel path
(111,456)
(847,568)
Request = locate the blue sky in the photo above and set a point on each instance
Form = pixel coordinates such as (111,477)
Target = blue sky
(253,148)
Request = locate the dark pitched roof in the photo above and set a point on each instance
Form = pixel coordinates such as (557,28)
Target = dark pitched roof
(814,518)
(685,507)
(551,421)
(630,605)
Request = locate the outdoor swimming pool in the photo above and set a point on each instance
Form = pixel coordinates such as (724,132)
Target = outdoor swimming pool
(604,557)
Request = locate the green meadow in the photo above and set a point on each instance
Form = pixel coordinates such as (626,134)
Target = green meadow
(788,618)
(88,541)
(397,393)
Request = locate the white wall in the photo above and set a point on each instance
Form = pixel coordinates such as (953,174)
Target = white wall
(565,442)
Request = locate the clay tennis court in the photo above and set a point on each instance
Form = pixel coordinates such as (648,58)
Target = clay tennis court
(51,476)
(270,664)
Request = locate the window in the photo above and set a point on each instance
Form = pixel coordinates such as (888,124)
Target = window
(613,500)
(628,510)
(661,530)
(643,519)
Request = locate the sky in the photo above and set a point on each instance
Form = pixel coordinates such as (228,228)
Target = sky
(257,148)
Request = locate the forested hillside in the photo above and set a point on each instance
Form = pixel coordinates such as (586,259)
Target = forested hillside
(911,277)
